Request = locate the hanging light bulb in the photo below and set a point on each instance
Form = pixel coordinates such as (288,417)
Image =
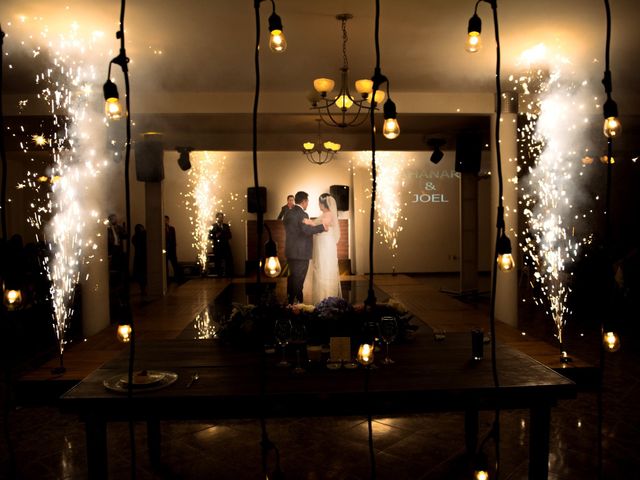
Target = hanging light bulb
(124,333)
(391,128)
(272,266)
(481,475)
(611,341)
(12,299)
(365,354)
(473,34)
(277,41)
(481,467)
(612,127)
(112,107)
(505,258)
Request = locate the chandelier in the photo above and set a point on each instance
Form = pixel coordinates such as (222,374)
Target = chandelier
(320,152)
(334,111)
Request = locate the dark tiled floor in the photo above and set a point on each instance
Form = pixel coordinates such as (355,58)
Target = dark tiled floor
(50,445)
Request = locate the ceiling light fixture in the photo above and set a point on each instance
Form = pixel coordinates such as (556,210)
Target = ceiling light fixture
(436,144)
(320,152)
(344,100)
(184,162)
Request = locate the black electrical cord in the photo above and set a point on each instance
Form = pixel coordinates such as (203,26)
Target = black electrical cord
(8,400)
(122,60)
(254,124)
(378,79)
(608,243)
(266,445)
(3,153)
(494,360)
(500,230)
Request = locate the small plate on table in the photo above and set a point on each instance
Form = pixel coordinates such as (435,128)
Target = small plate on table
(143,380)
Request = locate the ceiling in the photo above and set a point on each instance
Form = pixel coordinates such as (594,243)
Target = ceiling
(207,48)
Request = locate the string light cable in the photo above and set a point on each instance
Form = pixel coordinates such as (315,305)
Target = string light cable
(3,153)
(266,445)
(502,243)
(8,400)
(112,110)
(610,111)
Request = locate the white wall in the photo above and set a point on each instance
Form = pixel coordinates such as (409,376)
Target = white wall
(429,198)
(282,173)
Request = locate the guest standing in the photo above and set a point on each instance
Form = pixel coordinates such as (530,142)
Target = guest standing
(220,234)
(118,268)
(288,206)
(139,241)
(171,248)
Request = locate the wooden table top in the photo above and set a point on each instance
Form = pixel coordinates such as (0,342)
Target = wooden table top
(428,375)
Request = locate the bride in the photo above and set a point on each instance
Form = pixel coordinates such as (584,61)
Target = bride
(326,275)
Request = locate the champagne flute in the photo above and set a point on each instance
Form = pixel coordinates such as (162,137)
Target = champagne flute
(299,339)
(388,332)
(282,334)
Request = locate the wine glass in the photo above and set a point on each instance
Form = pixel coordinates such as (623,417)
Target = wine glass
(282,334)
(299,339)
(388,332)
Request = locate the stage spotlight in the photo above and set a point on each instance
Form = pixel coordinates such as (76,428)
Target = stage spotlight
(183,162)
(436,144)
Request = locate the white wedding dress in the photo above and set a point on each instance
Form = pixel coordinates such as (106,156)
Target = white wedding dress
(325,273)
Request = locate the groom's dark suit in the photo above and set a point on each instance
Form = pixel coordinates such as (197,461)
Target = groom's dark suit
(298,250)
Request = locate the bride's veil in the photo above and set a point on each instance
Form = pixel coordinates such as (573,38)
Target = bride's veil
(333,209)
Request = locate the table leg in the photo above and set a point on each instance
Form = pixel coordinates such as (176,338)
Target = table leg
(540,420)
(96,432)
(471,431)
(153,441)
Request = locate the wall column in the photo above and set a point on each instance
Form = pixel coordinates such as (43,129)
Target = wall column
(468,233)
(507,283)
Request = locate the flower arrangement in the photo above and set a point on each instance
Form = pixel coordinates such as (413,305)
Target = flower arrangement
(252,325)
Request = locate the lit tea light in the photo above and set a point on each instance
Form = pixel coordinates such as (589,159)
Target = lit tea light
(365,354)
(611,341)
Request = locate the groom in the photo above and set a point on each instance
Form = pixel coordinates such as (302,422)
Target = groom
(299,245)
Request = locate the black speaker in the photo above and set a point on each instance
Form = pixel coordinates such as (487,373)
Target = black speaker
(252,200)
(341,194)
(468,152)
(149,161)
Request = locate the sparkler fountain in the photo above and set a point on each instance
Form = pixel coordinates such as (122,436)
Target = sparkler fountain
(203,199)
(390,188)
(67,208)
(551,147)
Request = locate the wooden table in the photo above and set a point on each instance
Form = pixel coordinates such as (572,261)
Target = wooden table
(428,376)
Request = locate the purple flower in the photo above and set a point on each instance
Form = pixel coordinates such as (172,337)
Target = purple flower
(332,308)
